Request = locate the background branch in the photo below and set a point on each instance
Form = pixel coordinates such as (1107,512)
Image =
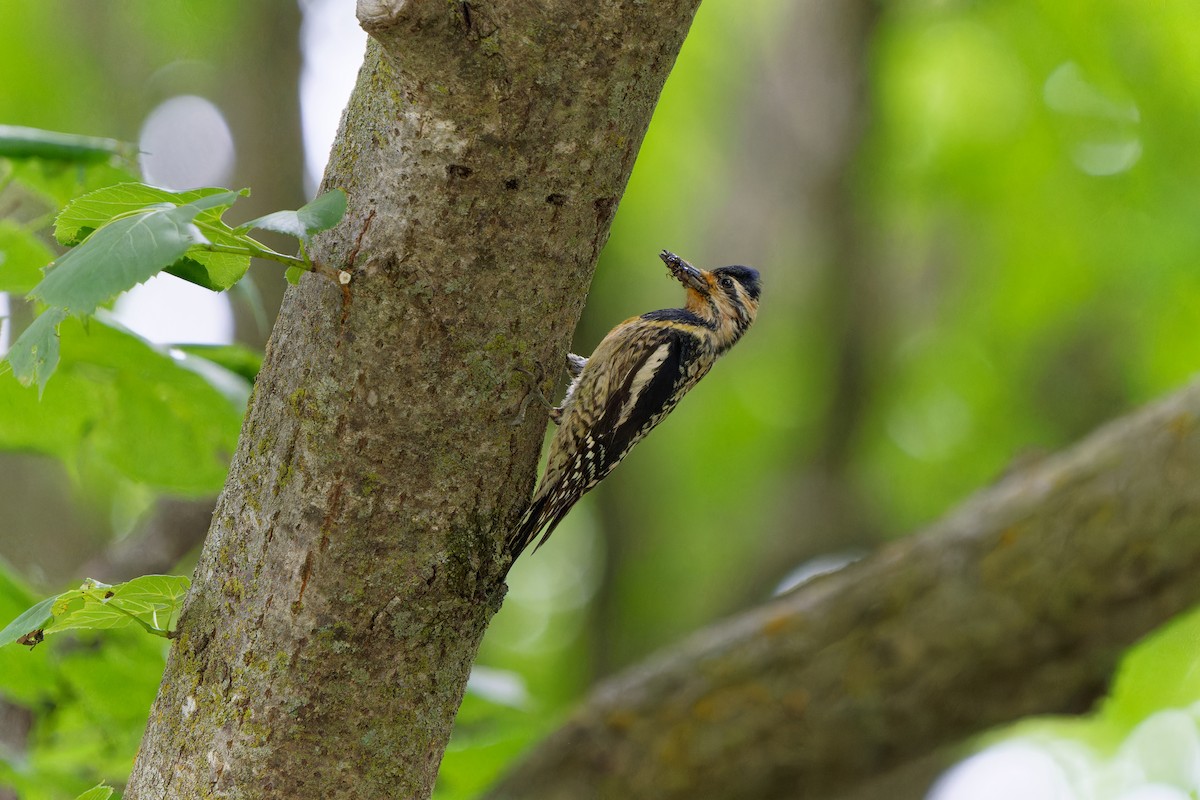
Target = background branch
(990,615)
(171,529)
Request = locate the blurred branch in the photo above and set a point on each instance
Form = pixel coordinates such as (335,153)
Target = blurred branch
(172,529)
(1017,603)
(263,109)
(811,110)
(16,723)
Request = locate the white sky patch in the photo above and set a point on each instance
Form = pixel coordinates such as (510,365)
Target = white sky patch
(499,686)
(1005,772)
(169,310)
(185,143)
(5,326)
(333,45)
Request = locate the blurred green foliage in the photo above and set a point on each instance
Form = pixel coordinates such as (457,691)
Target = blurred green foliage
(87,701)
(1142,741)
(1019,218)
(1032,176)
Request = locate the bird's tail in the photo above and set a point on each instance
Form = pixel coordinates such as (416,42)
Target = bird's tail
(544,512)
(528,527)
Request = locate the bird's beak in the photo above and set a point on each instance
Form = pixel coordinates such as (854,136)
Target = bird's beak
(684,272)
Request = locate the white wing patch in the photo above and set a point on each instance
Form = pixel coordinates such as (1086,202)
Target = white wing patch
(644,375)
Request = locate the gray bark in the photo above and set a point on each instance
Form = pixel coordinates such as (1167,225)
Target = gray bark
(355,556)
(854,685)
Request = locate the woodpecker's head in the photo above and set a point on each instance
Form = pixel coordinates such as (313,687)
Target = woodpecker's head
(726,296)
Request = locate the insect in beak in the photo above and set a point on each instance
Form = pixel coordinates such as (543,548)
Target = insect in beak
(684,272)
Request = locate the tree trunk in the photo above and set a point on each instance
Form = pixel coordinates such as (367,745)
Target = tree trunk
(1018,603)
(355,556)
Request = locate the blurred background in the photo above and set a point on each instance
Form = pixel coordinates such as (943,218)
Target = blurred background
(977,228)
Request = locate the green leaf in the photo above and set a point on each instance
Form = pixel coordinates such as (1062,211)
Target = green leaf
(156,598)
(19,142)
(22,257)
(32,620)
(87,213)
(85,610)
(1162,671)
(150,601)
(23,673)
(220,270)
(293,275)
(124,253)
(34,355)
(321,214)
(215,271)
(98,792)
(58,183)
(212,270)
(121,405)
(117,257)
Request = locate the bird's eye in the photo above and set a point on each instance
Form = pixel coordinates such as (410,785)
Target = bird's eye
(726,283)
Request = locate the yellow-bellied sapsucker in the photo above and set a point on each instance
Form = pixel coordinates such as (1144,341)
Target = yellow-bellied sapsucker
(634,378)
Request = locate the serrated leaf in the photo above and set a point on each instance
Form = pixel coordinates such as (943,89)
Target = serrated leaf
(20,142)
(214,271)
(285,222)
(87,213)
(321,214)
(154,600)
(30,621)
(34,355)
(124,253)
(22,257)
(98,792)
(217,200)
(117,257)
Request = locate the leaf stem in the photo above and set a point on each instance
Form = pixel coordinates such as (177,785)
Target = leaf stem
(263,252)
(270,255)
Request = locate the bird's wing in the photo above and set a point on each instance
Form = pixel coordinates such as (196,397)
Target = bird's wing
(657,377)
(644,374)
